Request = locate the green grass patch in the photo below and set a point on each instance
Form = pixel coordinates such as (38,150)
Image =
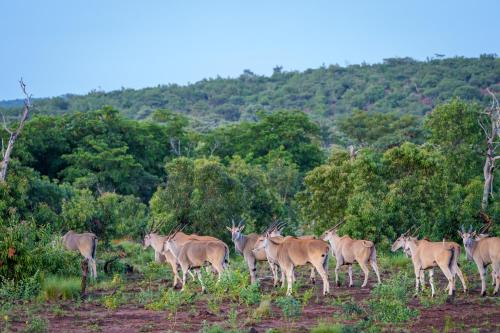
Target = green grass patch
(60,288)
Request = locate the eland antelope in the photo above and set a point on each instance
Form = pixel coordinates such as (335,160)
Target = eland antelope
(347,251)
(194,254)
(245,245)
(484,251)
(272,257)
(292,252)
(426,255)
(157,243)
(86,244)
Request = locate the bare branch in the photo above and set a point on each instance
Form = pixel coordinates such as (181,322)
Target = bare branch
(5,127)
(14,134)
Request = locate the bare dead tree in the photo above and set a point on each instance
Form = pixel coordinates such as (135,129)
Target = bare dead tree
(176,146)
(213,147)
(353,152)
(14,134)
(492,115)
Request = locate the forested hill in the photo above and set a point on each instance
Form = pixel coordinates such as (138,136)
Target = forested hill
(403,85)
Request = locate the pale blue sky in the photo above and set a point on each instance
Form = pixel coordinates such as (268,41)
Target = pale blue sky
(75,46)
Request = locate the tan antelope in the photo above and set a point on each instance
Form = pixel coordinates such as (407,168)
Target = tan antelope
(245,245)
(293,252)
(483,251)
(456,247)
(426,255)
(157,243)
(86,244)
(347,251)
(272,257)
(195,254)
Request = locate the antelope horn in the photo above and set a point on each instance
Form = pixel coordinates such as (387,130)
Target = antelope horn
(408,231)
(151,227)
(485,228)
(178,228)
(470,228)
(342,221)
(281,226)
(241,223)
(232,223)
(414,233)
(462,229)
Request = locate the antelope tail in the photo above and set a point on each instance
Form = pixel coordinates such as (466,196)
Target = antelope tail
(453,260)
(373,255)
(226,258)
(93,263)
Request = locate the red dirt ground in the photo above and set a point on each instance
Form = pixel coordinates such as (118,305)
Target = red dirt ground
(462,314)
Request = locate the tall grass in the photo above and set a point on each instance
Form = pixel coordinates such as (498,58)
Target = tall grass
(60,288)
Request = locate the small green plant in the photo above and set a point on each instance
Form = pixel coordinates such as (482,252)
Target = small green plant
(213,305)
(264,308)
(290,307)
(328,328)
(36,324)
(207,328)
(427,301)
(60,288)
(351,308)
(250,294)
(153,271)
(58,311)
(389,302)
(111,302)
(170,300)
(306,297)
(233,319)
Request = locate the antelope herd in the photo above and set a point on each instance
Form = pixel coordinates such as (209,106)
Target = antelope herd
(192,252)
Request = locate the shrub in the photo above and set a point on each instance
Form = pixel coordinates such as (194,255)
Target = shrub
(27,250)
(36,325)
(111,302)
(389,301)
(24,289)
(250,294)
(264,308)
(289,306)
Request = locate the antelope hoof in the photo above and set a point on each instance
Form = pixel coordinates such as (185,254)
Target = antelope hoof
(338,284)
(352,285)
(483,293)
(449,299)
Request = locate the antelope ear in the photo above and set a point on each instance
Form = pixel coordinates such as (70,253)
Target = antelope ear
(242,227)
(459,233)
(230,230)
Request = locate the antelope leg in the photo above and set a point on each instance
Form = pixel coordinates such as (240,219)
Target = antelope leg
(350,276)
(431,281)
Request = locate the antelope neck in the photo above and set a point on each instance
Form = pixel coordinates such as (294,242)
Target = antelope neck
(240,242)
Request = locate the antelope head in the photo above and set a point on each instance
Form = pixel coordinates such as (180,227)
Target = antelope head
(400,243)
(170,243)
(468,236)
(236,230)
(261,243)
(147,241)
(330,233)
(276,229)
